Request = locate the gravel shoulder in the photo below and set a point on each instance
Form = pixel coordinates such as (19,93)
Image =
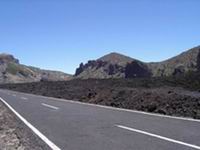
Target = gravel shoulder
(15,135)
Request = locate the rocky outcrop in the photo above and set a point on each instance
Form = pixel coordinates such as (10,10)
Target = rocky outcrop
(99,69)
(136,69)
(7,58)
(198,61)
(109,66)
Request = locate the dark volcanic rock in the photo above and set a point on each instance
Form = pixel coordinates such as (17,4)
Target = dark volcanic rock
(158,97)
(136,69)
(198,61)
(79,70)
(179,71)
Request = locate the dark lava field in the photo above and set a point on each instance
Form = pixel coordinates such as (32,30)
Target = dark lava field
(177,96)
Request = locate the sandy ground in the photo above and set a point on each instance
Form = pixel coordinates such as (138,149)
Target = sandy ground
(14,135)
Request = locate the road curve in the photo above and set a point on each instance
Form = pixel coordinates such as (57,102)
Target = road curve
(76,126)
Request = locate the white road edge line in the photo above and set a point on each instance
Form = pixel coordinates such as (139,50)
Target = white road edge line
(159,137)
(120,109)
(112,108)
(36,131)
(50,106)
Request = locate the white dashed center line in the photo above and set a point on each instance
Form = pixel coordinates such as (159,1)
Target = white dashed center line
(24,98)
(159,137)
(50,106)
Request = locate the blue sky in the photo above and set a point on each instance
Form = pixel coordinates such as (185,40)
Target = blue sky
(59,34)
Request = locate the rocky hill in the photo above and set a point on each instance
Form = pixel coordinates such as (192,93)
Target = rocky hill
(113,65)
(116,65)
(11,71)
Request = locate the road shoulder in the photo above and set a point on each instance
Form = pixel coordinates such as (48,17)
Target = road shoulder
(14,134)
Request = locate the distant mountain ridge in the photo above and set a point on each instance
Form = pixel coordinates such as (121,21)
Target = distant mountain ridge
(11,71)
(116,65)
(113,65)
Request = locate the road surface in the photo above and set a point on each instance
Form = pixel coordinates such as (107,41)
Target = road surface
(76,126)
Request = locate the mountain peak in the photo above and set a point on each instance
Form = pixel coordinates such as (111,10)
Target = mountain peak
(116,58)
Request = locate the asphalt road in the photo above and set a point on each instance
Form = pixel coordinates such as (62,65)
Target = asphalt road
(76,126)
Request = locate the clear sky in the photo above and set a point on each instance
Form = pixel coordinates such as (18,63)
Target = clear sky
(59,34)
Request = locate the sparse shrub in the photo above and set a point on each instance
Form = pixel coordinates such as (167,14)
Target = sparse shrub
(12,68)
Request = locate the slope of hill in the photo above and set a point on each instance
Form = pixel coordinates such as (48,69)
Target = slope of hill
(11,71)
(116,65)
(186,61)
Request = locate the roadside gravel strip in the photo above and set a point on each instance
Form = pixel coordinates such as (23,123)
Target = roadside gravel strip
(14,135)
